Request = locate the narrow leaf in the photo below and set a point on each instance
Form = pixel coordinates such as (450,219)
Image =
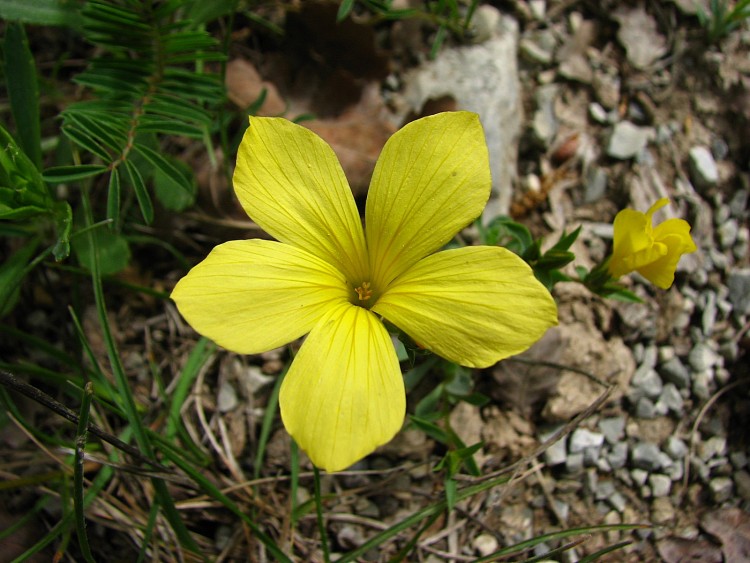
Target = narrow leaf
(141,193)
(62,174)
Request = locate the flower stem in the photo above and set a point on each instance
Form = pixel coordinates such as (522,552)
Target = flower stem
(319,511)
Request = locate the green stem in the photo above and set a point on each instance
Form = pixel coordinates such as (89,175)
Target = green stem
(319,512)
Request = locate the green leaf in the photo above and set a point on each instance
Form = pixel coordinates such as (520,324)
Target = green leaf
(170,191)
(344,9)
(12,272)
(23,91)
(141,193)
(22,191)
(113,250)
(431,429)
(167,167)
(41,12)
(113,199)
(62,174)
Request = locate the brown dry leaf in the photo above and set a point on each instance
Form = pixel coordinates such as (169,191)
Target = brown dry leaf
(732,527)
(357,136)
(681,550)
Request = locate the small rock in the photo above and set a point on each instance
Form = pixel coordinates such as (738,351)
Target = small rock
(742,482)
(672,399)
(739,459)
(539,48)
(702,357)
(661,485)
(227,397)
(645,408)
(557,453)
(704,171)
(618,457)
(662,511)
(703,384)
(716,446)
(538,8)
(583,438)
(738,204)
(544,124)
(676,448)
(674,371)
(646,455)
(594,184)
(647,382)
(598,113)
(676,472)
(721,488)
(574,463)
(607,89)
(604,490)
(639,476)
(485,544)
(613,428)
(627,140)
(728,233)
(618,502)
(738,282)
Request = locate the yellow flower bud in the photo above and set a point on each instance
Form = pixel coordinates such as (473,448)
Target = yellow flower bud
(651,251)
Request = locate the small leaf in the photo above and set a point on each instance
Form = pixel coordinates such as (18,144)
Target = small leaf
(171,191)
(23,91)
(166,167)
(113,199)
(344,10)
(113,250)
(62,174)
(64,222)
(141,193)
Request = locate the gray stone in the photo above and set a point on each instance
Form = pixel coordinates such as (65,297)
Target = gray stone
(738,204)
(710,310)
(715,446)
(661,485)
(699,467)
(739,459)
(702,357)
(703,169)
(482,78)
(582,439)
(647,381)
(676,472)
(574,463)
(728,233)
(594,184)
(627,140)
(721,488)
(671,397)
(674,371)
(676,448)
(613,428)
(662,511)
(607,88)
(618,456)
(557,453)
(703,384)
(738,282)
(591,455)
(618,502)
(227,397)
(544,124)
(639,476)
(598,113)
(645,408)
(604,490)
(646,455)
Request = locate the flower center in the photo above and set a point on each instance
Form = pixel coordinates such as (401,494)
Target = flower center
(364,293)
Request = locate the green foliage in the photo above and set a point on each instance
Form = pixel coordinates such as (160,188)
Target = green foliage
(41,12)
(447,15)
(503,231)
(721,19)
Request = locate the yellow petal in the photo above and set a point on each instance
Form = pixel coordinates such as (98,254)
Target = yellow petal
(344,395)
(290,182)
(630,236)
(473,306)
(674,235)
(431,180)
(251,296)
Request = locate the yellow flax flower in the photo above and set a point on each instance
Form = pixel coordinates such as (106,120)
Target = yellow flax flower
(334,280)
(651,251)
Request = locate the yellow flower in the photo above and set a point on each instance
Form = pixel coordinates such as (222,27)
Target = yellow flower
(327,276)
(651,251)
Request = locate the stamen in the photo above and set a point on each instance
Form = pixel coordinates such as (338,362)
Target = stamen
(363,292)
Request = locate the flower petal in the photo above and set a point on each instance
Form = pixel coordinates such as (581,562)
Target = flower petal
(344,395)
(473,305)
(251,296)
(431,180)
(674,234)
(630,236)
(290,182)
